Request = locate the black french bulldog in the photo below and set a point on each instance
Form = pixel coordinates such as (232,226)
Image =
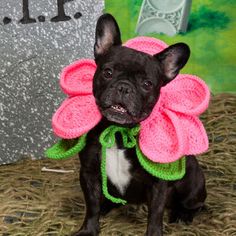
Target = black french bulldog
(126,87)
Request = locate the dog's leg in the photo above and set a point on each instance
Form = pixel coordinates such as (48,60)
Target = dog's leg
(190,193)
(91,186)
(156,200)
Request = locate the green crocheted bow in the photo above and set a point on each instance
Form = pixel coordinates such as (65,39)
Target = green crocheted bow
(167,171)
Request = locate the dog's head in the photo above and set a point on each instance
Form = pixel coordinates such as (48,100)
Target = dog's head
(127,82)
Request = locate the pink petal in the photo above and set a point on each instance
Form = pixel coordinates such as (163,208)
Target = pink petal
(161,137)
(146,44)
(196,140)
(77,78)
(75,117)
(187,94)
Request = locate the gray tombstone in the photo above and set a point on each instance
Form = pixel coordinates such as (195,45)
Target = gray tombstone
(163,16)
(37,39)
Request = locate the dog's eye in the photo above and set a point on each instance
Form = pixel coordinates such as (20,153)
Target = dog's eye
(107,73)
(147,85)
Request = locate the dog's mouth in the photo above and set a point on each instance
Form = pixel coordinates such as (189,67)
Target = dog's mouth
(119,114)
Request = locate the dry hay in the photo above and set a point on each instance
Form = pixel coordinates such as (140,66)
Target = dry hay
(35,203)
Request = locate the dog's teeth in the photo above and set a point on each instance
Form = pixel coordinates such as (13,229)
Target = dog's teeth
(118,108)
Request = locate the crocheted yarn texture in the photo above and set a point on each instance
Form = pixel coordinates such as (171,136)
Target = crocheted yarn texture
(167,171)
(171,131)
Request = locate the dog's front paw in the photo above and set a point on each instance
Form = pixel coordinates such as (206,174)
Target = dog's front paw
(153,232)
(184,215)
(85,233)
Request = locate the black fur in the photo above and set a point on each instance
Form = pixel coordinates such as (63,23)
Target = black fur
(131,81)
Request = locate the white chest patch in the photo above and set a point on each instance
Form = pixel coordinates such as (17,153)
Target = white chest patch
(117,168)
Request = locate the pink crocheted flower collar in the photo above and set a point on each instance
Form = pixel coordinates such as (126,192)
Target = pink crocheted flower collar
(171,131)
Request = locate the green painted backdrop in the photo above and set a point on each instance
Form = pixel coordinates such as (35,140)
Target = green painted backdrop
(211,36)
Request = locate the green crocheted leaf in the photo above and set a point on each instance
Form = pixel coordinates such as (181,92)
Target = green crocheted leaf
(66,148)
(166,171)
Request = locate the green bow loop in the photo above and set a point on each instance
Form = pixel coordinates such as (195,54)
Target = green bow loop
(131,137)
(108,136)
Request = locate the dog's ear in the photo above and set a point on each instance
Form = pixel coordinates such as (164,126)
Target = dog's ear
(172,59)
(107,35)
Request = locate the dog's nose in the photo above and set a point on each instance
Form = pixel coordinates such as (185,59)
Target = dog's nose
(124,88)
